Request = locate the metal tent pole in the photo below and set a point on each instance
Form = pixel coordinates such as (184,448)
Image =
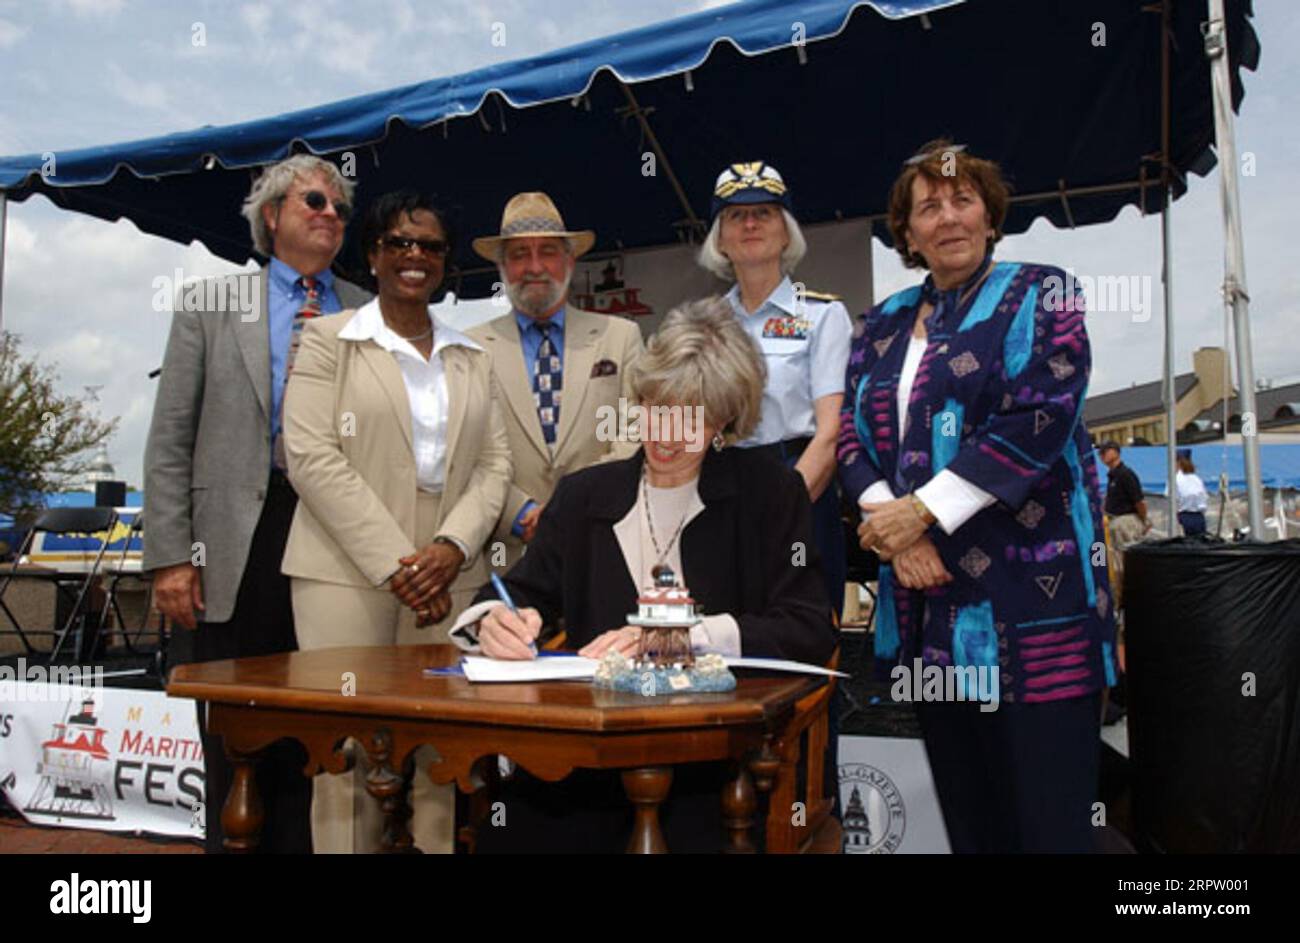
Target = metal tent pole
(1171,403)
(1166,255)
(1235,295)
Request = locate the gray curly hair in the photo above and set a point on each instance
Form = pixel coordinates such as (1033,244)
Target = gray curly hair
(272,185)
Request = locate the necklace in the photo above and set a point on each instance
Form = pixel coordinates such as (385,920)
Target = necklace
(662,554)
(416,337)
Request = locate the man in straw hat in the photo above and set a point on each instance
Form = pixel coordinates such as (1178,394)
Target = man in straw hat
(558,368)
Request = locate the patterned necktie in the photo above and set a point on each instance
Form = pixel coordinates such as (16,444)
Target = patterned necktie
(310,309)
(548,380)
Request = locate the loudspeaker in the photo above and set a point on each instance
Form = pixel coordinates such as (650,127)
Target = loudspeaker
(110,494)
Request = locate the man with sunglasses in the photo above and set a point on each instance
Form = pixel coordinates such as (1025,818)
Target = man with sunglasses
(216,497)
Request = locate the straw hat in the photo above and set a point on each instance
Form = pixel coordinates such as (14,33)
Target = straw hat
(532,214)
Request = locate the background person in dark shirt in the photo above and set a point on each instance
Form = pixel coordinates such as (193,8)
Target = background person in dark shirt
(1126,510)
(1123,492)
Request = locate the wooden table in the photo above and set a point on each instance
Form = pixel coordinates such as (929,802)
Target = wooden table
(549,728)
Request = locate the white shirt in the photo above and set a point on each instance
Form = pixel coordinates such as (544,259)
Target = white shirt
(951,499)
(426,386)
(1191,492)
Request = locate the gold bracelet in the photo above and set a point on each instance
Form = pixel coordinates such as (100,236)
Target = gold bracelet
(922,511)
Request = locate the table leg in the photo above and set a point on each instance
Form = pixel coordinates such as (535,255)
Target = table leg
(241,814)
(738,804)
(390,790)
(647,787)
(403,842)
(774,775)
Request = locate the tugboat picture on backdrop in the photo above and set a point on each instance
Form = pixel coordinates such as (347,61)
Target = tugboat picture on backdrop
(74,768)
(609,295)
(874,817)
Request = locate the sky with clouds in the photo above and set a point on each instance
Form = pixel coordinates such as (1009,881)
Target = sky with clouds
(85,72)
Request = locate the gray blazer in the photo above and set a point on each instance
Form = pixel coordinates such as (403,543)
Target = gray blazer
(208,455)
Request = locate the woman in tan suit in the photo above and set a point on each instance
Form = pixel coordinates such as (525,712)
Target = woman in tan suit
(398,453)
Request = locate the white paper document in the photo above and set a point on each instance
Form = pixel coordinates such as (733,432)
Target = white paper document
(780,664)
(574,667)
(549,668)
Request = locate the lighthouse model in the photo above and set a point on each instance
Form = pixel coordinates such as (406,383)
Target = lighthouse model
(664,663)
(665,612)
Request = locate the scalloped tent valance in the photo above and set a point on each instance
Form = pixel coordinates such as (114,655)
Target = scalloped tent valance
(835,94)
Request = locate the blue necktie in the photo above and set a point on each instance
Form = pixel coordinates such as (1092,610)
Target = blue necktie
(548,380)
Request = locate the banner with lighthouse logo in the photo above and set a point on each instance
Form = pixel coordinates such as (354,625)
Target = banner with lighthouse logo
(112,759)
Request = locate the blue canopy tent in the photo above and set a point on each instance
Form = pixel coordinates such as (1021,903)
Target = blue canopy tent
(1067,96)
(1088,107)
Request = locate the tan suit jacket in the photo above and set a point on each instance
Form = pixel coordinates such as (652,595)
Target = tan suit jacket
(347,422)
(590,340)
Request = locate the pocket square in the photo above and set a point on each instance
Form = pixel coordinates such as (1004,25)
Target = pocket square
(604,368)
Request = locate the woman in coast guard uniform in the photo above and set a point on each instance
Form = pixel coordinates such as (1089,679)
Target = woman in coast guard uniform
(963,442)
(804,336)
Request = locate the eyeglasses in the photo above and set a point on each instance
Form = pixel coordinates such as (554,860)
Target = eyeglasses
(317,201)
(434,247)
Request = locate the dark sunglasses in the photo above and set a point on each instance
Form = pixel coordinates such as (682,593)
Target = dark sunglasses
(435,247)
(317,201)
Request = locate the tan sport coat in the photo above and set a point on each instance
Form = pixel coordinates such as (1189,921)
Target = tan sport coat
(598,350)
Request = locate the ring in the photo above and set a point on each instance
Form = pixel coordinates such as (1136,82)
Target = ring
(423,613)
(414,568)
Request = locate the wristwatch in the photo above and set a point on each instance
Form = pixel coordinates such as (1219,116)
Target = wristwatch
(922,511)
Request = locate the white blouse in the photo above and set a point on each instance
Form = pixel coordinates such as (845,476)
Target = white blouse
(426,386)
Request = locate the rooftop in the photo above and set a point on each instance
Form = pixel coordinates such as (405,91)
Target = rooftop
(1141,399)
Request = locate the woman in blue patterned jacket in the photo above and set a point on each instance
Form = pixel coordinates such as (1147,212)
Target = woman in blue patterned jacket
(962,440)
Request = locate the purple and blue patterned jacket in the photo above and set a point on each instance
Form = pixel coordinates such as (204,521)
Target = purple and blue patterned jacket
(998,400)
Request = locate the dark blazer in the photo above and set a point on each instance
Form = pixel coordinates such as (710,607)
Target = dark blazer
(749,553)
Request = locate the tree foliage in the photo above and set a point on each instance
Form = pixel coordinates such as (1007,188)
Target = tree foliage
(46,439)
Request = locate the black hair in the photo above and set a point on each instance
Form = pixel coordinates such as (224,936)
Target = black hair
(382,214)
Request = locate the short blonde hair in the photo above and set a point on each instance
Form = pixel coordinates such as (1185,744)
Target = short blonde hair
(274,183)
(702,356)
(711,257)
